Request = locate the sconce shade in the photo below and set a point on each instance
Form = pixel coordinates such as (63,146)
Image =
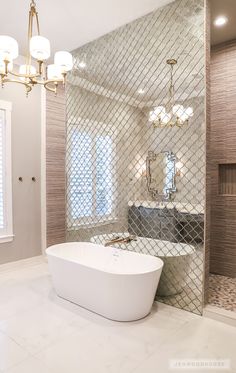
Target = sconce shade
(40,48)
(189,111)
(8,48)
(159,110)
(178,110)
(54,72)
(165,118)
(64,60)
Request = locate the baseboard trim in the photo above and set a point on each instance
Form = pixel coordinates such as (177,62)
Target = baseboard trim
(220,314)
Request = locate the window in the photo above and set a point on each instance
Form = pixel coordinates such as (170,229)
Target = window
(90,177)
(5,173)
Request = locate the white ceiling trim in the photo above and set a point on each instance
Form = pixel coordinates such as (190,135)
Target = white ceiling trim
(138,104)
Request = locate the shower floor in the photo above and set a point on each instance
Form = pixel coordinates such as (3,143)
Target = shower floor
(222,292)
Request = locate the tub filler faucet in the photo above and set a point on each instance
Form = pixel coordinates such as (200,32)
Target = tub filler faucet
(120,240)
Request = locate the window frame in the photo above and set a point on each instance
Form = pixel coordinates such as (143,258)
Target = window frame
(6,234)
(87,126)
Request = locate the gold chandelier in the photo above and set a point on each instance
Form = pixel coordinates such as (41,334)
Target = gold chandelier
(173,115)
(39,50)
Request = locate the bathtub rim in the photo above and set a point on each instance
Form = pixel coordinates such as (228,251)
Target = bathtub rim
(156,259)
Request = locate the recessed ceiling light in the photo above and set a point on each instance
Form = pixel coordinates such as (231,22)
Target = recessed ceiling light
(82,64)
(141,91)
(220,21)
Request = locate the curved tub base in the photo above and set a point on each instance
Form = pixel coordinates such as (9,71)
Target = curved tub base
(116,284)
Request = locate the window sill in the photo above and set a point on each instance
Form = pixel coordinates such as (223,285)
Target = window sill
(93,224)
(7,238)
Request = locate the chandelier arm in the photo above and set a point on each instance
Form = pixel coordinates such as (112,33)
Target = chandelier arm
(53,90)
(27,85)
(51,81)
(27,76)
(45,82)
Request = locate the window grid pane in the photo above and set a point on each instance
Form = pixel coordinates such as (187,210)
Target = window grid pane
(81,175)
(103,175)
(90,179)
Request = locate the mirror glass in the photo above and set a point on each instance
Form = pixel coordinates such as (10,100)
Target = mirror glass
(112,190)
(160,172)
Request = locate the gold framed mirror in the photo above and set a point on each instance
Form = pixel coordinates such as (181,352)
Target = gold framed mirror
(160,174)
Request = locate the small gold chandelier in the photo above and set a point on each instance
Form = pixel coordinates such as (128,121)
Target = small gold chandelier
(39,49)
(173,115)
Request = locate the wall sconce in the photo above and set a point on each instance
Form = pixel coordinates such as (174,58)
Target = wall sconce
(179,169)
(178,173)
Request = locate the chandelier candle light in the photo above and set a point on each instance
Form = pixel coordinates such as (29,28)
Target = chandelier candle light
(39,49)
(172,115)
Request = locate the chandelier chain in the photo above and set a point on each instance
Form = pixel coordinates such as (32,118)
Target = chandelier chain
(171,85)
(28,57)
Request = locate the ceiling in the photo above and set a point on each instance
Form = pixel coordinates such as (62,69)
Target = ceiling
(228,32)
(72,23)
(69,24)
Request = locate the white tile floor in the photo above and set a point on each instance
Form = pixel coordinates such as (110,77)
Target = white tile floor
(40,333)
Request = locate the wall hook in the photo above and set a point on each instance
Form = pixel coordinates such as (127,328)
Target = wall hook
(34,179)
(20,178)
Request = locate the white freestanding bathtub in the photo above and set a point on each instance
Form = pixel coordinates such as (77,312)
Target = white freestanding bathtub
(117,284)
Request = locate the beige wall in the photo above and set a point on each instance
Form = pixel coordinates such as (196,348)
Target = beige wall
(222,154)
(55,168)
(26,144)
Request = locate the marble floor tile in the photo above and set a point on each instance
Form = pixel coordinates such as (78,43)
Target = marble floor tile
(41,326)
(199,339)
(86,352)
(42,333)
(10,353)
(15,299)
(140,338)
(30,365)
